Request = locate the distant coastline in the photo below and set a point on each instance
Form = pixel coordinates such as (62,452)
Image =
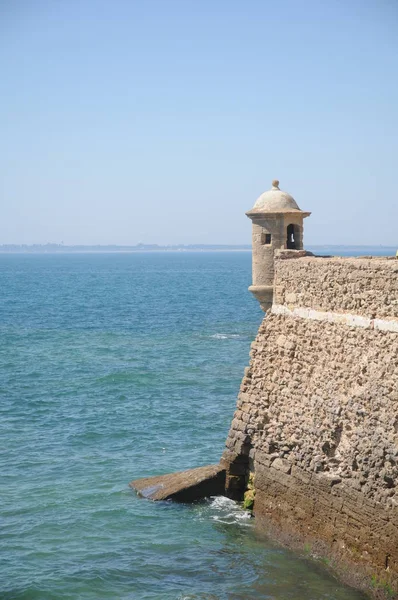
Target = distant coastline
(82,249)
(113,248)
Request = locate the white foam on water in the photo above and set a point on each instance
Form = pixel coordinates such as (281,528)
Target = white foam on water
(225,336)
(224,510)
(200,596)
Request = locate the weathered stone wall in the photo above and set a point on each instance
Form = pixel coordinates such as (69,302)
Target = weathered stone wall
(363,286)
(317,414)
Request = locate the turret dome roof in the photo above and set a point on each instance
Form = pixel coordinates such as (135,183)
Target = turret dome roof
(275,200)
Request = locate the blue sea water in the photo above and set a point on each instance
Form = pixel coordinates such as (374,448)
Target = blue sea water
(113,367)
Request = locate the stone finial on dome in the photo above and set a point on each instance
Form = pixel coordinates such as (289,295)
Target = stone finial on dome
(275,184)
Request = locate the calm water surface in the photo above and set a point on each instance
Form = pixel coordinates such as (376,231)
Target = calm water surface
(114,367)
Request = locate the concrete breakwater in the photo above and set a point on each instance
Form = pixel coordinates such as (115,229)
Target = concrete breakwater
(316,424)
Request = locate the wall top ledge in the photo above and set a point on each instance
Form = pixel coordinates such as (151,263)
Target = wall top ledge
(306,256)
(285,254)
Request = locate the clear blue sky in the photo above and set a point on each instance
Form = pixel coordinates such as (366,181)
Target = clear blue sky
(127,121)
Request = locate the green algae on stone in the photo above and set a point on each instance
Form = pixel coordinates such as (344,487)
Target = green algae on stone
(249,495)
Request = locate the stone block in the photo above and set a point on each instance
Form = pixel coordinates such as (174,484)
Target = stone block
(185,486)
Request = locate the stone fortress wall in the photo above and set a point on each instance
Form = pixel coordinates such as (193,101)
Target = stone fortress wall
(317,415)
(365,287)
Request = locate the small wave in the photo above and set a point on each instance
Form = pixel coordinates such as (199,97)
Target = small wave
(225,336)
(224,510)
(198,597)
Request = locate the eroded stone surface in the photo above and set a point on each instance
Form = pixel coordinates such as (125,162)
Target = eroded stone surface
(185,486)
(362,286)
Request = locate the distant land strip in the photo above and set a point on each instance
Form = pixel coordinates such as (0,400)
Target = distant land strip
(59,248)
(51,248)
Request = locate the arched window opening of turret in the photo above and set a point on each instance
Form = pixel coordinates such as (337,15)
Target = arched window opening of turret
(292,237)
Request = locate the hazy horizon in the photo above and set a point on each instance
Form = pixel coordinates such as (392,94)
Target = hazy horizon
(162,122)
(186,246)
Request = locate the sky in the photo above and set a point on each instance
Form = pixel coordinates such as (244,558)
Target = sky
(162,121)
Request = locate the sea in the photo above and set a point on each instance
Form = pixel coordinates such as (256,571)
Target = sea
(119,366)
